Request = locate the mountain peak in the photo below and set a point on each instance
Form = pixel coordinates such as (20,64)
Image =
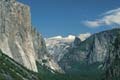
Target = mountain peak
(77,41)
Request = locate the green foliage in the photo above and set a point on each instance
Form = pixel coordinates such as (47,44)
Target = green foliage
(44,61)
(13,70)
(85,72)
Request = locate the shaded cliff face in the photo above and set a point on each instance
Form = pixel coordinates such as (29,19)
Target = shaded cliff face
(95,49)
(41,54)
(112,62)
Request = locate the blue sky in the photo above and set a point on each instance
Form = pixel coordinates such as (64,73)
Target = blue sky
(64,17)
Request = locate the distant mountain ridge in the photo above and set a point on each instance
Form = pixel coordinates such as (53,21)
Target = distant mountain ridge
(57,46)
(93,49)
(92,52)
(25,55)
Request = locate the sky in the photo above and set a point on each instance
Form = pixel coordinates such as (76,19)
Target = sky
(73,17)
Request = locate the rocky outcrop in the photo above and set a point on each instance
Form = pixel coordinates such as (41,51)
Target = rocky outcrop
(15,33)
(112,62)
(18,39)
(92,50)
(76,42)
(57,46)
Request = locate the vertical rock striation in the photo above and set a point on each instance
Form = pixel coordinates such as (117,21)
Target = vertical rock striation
(19,40)
(95,49)
(15,33)
(112,62)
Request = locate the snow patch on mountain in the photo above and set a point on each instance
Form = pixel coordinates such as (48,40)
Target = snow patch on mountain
(57,46)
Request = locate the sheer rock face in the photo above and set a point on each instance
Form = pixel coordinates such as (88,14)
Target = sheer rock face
(41,51)
(15,33)
(18,39)
(77,41)
(92,50)
(112,62)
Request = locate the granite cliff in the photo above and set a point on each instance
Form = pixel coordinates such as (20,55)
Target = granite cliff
(94,50)
(22,45)
(18,39)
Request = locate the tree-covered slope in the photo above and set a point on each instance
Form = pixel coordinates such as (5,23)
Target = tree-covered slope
(11,70)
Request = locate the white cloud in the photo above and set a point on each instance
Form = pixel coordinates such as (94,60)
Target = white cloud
(69,38)
(84,36)
(111,17)
(112,11)
(92,23)
(56,37)
(61,37)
